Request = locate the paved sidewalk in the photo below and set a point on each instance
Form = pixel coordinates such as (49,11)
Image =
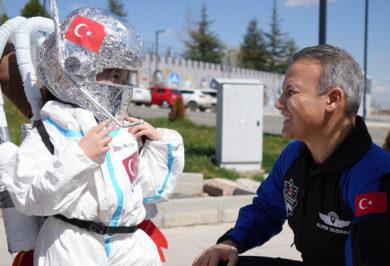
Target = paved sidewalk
(5,257)
(185,243)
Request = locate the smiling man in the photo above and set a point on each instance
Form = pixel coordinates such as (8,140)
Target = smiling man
(331,183)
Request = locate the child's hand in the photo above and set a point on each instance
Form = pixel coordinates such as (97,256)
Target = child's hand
(143,130)
(96,140)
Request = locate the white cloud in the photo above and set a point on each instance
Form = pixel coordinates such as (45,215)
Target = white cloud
(294,3)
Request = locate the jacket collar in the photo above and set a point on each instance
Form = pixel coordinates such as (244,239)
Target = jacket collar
(354,146)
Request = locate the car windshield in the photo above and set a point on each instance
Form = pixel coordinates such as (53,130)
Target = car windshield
(174,91)
(211,93)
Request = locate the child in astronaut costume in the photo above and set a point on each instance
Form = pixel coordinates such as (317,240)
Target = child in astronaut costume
(101,179)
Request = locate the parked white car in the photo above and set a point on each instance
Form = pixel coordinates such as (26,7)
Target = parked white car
(141,96)
(194,99)
(213,94)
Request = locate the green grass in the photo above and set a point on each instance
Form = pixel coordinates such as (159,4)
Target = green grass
(14,119)
(199,143)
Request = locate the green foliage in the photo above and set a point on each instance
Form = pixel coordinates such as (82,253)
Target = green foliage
(34,8)
(203,45)
(116,7)
(279,47)
(3,18)
(290,49)
(14,119)
(253,53)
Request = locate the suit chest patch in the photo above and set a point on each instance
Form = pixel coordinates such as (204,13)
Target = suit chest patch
(290,193)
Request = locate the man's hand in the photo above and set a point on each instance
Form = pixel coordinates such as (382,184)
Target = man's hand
(143,130)
(96,140)
(225,251)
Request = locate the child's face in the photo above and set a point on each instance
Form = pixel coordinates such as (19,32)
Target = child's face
(114,75)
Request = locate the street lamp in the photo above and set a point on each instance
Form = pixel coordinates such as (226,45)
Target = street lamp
(157,33)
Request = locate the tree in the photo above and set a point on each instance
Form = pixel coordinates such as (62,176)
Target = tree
(3,18)
(116,7)
(276,43)
(253,52)
(203,45)
(34,8)
(290,49)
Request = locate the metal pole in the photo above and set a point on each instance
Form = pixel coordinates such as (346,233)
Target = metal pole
(322,23)
(157,33)
(365,60)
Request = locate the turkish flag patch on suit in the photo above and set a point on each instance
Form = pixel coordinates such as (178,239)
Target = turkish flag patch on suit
(86,33)
(131,166)
(371,203)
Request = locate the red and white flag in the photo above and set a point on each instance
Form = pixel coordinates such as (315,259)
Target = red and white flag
(370,203)
(131,166)
(86,33)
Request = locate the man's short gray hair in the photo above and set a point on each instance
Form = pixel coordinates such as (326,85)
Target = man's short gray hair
(339,69)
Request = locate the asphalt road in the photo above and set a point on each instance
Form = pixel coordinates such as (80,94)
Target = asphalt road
(377,126)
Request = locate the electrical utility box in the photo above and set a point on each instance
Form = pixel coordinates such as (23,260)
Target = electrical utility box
(239,130)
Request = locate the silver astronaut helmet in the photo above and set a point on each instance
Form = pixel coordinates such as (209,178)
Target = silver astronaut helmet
(89,42)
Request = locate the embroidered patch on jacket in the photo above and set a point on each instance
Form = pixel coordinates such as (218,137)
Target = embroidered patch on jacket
(131,166)
(370,203)
(290,192)
(332,223)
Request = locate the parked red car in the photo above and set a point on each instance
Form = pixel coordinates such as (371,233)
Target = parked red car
(164,96)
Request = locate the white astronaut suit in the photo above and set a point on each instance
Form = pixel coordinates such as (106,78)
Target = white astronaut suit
(113,189)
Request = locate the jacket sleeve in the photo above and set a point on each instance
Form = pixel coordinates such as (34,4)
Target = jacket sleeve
(42,184)
(369,240)
(160,165)
(264,218)
(366,189)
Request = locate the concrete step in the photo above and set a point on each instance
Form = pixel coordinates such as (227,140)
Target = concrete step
(195,211)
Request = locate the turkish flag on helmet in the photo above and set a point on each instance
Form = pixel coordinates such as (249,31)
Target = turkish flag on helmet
(86,33)
(369,203)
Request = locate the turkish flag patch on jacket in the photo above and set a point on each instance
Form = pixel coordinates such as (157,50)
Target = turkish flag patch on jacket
(131,166)
(86,33)
(371,203)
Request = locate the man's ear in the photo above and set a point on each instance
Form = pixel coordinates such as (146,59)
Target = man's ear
(336,99)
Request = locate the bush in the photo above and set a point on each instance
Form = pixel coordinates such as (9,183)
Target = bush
(178,110)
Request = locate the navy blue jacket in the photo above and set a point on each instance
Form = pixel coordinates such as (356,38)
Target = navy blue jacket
(333,219)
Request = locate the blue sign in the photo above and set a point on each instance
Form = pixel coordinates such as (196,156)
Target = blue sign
(174,78)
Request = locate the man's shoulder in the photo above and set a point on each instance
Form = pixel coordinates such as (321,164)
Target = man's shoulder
(288,155)
(366,174)
(375,161)
(292,147)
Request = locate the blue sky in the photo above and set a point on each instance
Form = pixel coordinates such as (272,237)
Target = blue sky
(345,25)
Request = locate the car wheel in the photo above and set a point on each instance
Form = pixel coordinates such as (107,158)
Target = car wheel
(202,109)
(165,104)
(192,106)
(148,104)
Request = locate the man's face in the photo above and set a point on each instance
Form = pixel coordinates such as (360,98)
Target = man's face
(301,106)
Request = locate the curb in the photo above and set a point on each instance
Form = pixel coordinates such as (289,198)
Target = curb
(197,211)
